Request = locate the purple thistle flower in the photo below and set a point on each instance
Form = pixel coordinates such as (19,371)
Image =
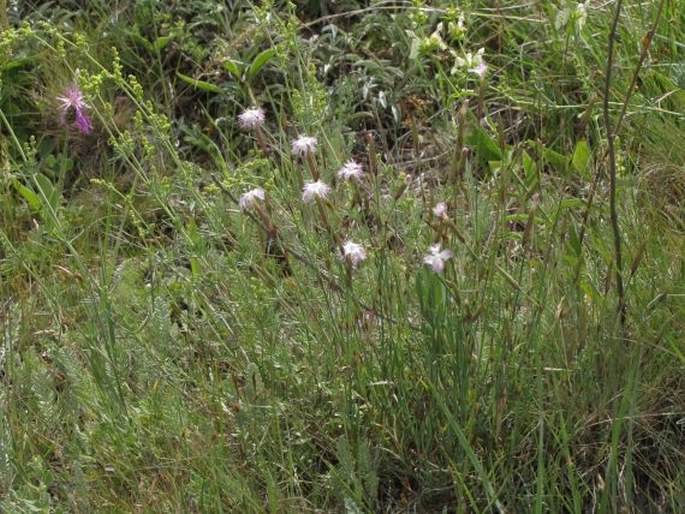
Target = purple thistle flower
(74,106)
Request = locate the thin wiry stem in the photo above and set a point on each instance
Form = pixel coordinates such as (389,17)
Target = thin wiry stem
(646,43)
(618,257)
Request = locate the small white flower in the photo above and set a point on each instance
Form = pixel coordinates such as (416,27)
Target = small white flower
(436,258)
(480,69)
(440,210)
(248,199)
(354,253)
(472,62)
(314,190)
(351,169)
(562,17)
(252,118)
(580,15)
(304,145)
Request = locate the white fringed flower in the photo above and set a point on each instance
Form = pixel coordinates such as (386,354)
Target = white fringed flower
(248,199)
(350,170)
(251,119)
(354,253)
(314,190)
(304,145)
(436,258)
(440,210)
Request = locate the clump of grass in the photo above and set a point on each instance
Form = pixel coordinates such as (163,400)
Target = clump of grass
(310,270)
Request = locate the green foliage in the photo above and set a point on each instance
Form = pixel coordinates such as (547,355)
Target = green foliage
(168,345)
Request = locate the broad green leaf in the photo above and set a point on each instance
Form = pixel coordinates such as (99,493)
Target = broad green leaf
(259,62)
(485,146)
(162,42)
(142,41)
(555,159)
(31,198)
(48,190)
(581,157)
(234,68)
(200,84)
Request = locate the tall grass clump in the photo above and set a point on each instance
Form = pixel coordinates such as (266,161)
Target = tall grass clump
(349,257)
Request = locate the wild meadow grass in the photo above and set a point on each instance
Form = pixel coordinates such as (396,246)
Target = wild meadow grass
(342,257)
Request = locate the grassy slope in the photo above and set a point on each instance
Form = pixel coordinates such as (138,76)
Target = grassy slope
(155,358)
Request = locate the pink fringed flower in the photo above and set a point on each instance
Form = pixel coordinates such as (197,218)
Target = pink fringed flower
(251,119)
(350,170)
(74,106)
(354,253)
(304,145)
(314,190)
(250,198)
(436,258)
(480,69)
(440,210)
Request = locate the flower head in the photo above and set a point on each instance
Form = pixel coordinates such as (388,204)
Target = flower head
(353,253)
(440,210)
(436,258)
(74,106)
(248,199)
(473,63)
(251,119)
(351,169)
(314,190)
(480,69)
(304,145)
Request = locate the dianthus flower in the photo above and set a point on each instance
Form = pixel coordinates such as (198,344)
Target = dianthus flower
(480,69)
(251,119)
(436,258)
(74,106)
(351,169)
(314,190)
(304,145)
(354,253)
(440,210)
(248,199)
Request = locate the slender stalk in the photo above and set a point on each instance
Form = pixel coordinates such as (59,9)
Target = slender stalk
(646,43)
(618,257)
(4,23)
